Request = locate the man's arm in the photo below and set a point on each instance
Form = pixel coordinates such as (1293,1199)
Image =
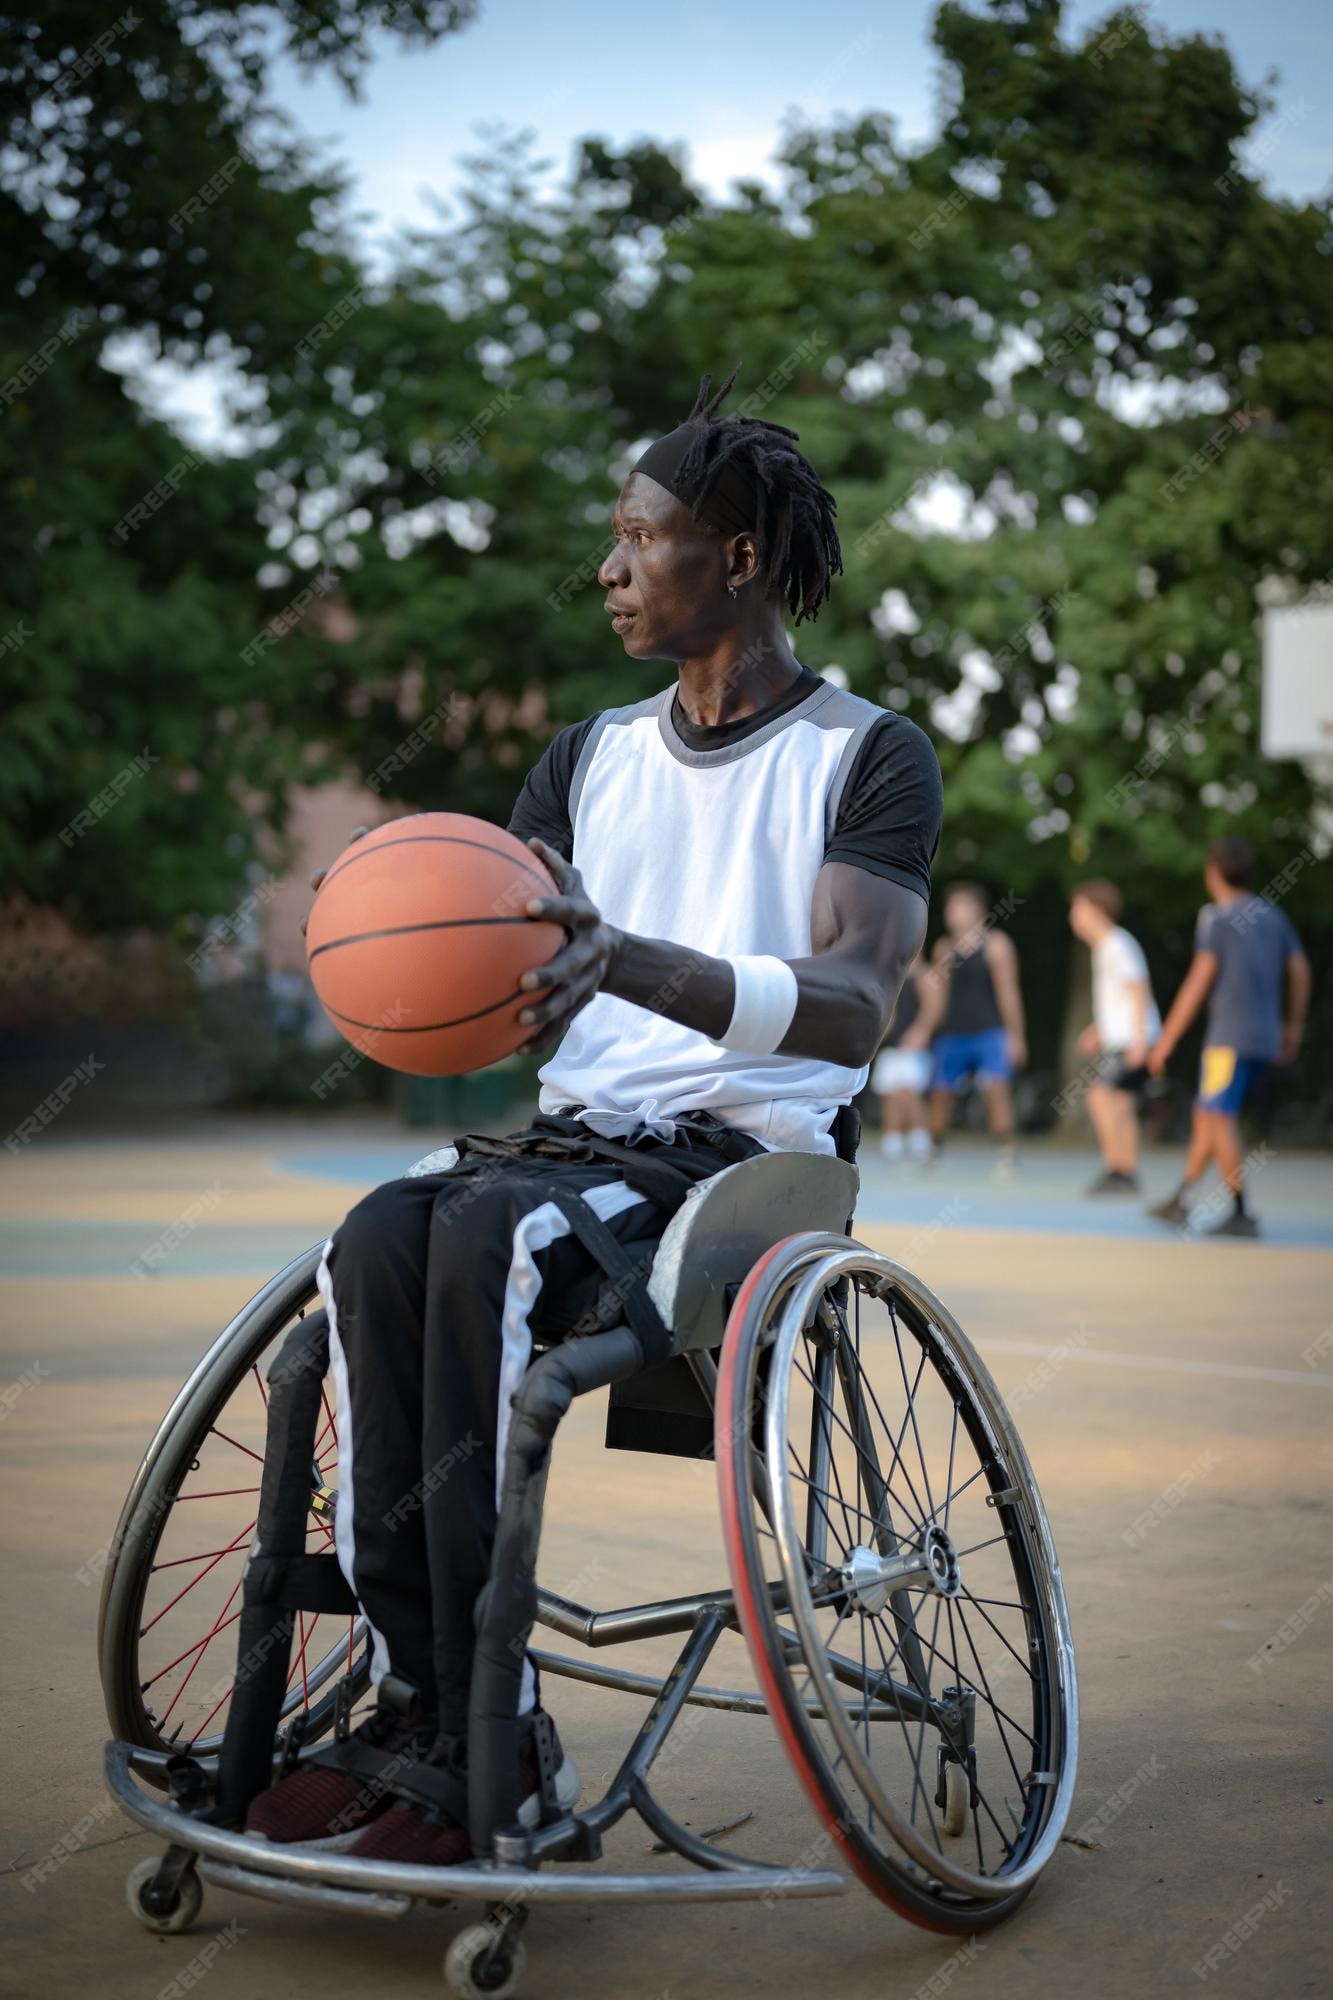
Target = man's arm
(1138,999)
(932,990)
(1194,990)
(865,931)
(1299,984)
(1003,962)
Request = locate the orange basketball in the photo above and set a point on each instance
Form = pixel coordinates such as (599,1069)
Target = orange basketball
(417,940)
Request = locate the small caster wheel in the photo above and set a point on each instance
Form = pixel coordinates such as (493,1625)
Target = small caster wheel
(189,1898)
(957,1798)
(483,1964)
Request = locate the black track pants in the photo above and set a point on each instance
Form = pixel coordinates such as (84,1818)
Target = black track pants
(435,1287)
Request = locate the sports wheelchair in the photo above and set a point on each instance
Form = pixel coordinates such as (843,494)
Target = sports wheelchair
(891,1566)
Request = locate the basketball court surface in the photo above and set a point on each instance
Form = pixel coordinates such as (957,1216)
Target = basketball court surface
(1175,1397)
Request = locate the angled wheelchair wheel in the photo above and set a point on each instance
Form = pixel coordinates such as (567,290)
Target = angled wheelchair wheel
(896,1582)
(171,1588)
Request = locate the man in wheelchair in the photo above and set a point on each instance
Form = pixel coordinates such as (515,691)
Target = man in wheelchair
(742,866)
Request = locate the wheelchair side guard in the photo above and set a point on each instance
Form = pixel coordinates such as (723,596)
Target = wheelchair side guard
(507,1607)
(728,1222)
(281,1578)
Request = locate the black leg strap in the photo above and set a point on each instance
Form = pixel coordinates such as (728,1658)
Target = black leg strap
(628,1277)
(438,1786)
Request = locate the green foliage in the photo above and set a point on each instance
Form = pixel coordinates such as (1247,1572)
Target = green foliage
(1053,306)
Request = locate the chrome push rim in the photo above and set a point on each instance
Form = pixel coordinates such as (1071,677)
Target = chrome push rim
(1026,1516)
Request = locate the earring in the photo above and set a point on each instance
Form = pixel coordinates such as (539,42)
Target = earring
(731,590)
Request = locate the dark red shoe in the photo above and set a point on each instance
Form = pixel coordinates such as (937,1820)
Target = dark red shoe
(434,1836)
(332,1797)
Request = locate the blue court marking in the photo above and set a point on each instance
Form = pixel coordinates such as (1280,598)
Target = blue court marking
(79,1249)
(360,1166)
(1029,1205)
(920,1209)
(916,1210)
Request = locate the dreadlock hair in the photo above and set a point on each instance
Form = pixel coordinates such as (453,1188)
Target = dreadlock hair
(799,550)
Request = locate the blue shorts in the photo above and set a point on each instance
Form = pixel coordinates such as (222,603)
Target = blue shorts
(958,1056)
(1226,1080)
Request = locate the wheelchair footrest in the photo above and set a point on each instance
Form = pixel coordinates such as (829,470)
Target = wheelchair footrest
(316,1895)
(299,1874)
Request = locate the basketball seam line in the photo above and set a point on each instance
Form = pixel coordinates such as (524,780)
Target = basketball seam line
(403,930)
(425,1027)
(440,839)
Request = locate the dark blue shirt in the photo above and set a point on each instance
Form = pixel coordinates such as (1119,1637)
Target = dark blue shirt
(1251,940)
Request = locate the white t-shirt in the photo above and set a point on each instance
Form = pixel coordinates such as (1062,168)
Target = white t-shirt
(719,849)
(1118,965)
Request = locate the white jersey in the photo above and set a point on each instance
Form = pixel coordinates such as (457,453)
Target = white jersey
(718,850)
(1118,965)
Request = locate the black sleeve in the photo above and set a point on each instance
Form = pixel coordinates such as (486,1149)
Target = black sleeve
(888,820)
(542,807)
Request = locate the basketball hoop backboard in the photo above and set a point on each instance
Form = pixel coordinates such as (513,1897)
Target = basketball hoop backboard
(1298,680)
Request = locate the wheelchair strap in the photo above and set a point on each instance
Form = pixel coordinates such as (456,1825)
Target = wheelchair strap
(628,1279)
(440,1790)
(299,1583)
(394,1773)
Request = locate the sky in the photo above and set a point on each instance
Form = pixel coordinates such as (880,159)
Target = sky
(717,84)
(720,83)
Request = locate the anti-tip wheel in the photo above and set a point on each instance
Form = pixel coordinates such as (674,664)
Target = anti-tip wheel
(189,1898)
(481,1965)
(957,1798)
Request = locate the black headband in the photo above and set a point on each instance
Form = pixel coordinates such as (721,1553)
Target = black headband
(733,503)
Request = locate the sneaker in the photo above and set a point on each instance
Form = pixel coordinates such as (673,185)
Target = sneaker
(1006,1164)
(434,1836)
(891,1145)
(323,1805)
(1114,1182)
(1173,1210)
(919,1146)
(1234,1224)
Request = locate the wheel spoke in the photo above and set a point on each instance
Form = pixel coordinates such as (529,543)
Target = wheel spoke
(948,1483)
(226,1439)
(224,1493)
(198,1645)
(981,1545)
(950,1497)
(995,1708)
(203,1649)
(895,1443)
(911,1405)
(904,1723)
(230,1549)
(856,1447)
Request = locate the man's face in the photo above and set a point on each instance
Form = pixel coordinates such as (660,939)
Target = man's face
(666,575)
(962,913)
(1082,921)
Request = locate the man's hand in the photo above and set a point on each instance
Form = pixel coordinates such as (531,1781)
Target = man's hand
(1016,1043)
(1158,1057)
(320,873)
(1291,1043)
(915,1039)
(576,973)
(1089,1042)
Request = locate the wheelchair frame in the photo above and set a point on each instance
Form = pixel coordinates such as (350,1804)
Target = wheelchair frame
(736,1226)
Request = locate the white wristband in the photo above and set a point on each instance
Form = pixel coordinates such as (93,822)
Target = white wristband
(765,1002)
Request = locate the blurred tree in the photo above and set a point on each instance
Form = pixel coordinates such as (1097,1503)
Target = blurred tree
(1066,368)
(153,206)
